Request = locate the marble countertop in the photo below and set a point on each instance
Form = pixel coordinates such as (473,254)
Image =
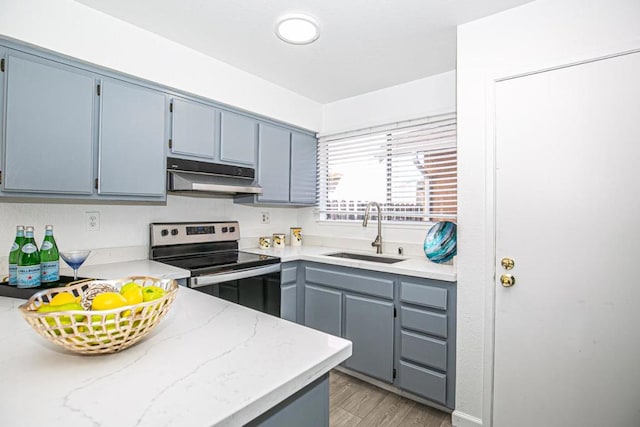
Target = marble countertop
(410,266)
(116,270)
(209,362)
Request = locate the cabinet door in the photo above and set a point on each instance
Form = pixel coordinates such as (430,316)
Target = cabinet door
(273,163)
(131,156)
(193,129)
(323,309)
(288,306)
(303,168)
(369,325)
(48,127)
(238,138)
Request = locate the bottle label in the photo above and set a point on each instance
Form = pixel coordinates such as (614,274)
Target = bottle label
(29,248)
(46,245)
(13,274)
(28,276)
(50,271)
(14,247)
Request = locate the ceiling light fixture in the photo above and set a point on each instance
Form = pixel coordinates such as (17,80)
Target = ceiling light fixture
(297,28)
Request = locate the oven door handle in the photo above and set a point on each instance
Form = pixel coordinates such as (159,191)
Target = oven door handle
(197,282)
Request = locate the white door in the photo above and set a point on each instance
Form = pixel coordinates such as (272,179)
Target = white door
(567,334)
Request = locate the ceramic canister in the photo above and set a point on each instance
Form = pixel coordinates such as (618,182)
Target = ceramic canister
(279,240)
(296,236)
(265,243)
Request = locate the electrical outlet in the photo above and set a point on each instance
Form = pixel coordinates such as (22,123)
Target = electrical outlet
(264,217)
(92,221)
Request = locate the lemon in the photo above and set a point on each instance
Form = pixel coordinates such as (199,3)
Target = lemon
(63,298)
(108,301)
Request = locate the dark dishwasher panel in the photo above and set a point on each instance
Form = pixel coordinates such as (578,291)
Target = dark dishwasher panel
(261,293)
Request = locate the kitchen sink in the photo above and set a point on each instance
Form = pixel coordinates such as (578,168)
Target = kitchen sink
(364,257)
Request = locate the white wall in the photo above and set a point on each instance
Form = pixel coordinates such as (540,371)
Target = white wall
(419,98)
(535,36)
(76,30)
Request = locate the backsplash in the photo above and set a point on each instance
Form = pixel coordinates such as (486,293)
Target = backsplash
(124,235)
(127,225)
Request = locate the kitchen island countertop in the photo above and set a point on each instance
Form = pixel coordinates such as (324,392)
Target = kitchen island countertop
(209,362)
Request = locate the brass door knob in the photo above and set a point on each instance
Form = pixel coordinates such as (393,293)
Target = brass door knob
(507,263)
(507,280)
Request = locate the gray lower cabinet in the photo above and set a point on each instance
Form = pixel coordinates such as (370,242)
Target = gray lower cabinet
(356,305)
(368,324)
(49,127)
(289,292)
(426,334)
(402,328)
(323,309)
(238,139)
(193,129)
(131,140)
(308,407)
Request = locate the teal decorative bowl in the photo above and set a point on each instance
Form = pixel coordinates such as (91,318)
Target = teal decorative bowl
(440,245)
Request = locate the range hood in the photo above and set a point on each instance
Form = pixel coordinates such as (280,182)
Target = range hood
(213,178)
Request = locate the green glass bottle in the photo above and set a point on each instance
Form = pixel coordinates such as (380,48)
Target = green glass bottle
(28,271)
(49,257)
(14,254)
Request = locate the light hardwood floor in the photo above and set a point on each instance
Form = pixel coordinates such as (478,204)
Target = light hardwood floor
(356,403)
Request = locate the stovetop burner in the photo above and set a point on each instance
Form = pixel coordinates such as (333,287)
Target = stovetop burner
(213,263)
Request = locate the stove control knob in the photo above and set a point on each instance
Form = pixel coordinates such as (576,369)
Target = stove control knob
(164,233)
(174,232)
(225,229)
(232,229)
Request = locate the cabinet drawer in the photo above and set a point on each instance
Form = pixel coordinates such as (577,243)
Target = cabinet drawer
(424,321)
(288,274)
(427,351)
(351,282)
(423,382)
(428,296)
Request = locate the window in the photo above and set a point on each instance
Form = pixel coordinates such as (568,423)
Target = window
(410,168)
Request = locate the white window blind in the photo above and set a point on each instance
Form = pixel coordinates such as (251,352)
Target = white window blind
(410,168)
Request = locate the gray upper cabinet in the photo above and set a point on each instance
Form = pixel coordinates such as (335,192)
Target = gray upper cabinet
(75,130)
(238,139)
(193,129)
(286,167)
(273,163)
(48,127)
(303,168)
(131,140)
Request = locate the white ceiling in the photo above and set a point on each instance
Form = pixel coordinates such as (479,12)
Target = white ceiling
(364,45)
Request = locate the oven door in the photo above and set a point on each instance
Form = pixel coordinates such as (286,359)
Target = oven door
(257,288)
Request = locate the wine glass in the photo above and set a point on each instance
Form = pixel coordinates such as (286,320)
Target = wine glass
(74,259)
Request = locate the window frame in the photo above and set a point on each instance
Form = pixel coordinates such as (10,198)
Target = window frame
(448,165)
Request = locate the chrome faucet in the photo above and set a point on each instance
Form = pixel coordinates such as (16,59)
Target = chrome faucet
(378,242)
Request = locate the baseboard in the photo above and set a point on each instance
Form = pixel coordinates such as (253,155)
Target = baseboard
(460,419)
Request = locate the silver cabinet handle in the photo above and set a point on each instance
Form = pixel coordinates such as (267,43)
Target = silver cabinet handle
(197,282)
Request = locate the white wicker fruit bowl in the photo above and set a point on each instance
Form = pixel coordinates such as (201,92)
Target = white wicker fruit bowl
(104,331)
